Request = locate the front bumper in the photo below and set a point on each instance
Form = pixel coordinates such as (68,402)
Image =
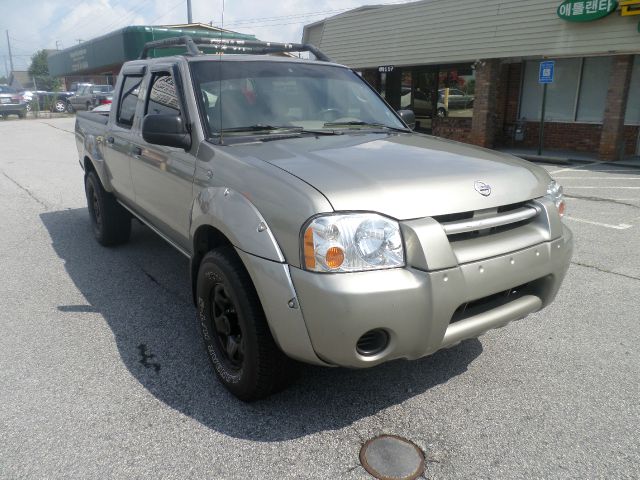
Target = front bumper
(416,307)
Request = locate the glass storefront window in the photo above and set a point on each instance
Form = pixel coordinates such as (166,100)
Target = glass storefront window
(456,91)
(561,94)
(593,90)
(578,93)
(633,102)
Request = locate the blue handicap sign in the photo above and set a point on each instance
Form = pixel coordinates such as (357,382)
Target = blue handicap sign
(546,71)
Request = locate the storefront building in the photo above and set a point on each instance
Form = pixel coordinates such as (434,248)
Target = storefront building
(470,69)
(99,60)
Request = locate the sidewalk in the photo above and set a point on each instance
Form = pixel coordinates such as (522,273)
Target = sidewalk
(566,157)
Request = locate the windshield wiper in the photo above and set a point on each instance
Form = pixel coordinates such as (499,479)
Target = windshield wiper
(271,128)
(364,124)
(260,128)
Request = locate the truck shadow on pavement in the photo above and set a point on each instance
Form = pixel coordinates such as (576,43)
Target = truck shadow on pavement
(142,291)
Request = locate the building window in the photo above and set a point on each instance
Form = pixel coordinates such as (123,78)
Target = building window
(593,89)
(456,91)
(633,102)
(578,93)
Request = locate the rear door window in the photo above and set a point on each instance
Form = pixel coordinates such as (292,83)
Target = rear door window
(163,97)
(128,100)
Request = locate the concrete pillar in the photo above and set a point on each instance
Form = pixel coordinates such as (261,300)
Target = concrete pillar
(485,106)
(612,137)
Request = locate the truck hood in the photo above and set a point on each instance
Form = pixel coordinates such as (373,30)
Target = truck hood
(403,176)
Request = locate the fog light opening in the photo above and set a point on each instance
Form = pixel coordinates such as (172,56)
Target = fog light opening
(372,342)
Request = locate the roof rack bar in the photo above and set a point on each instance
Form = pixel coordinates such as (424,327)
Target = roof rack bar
(232,45)
(185,40)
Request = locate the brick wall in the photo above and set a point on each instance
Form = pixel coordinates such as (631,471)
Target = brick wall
(453,128)
(631,133)
(613,140)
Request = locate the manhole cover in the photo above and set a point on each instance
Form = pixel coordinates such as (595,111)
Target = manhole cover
(389,457)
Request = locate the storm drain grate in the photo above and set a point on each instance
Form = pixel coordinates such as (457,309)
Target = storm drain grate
(389,457)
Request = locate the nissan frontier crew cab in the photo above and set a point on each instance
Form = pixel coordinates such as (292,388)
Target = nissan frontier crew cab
(319,227)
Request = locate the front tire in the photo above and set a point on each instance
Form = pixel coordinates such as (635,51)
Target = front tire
(234,328)
(111,222)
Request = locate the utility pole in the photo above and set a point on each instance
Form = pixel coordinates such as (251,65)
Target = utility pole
(9,47)
(189,17)
(6,68)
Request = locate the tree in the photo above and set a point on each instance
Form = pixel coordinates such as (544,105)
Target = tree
(39,71)
(3,80)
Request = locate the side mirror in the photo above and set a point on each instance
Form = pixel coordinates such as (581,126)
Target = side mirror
(409,118)
(166,130)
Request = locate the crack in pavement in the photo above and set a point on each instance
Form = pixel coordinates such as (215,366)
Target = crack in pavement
(58,128)
(605,271)
(600,199)
(32,195)
(163,287)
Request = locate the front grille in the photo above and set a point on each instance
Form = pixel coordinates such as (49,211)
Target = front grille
(470,225)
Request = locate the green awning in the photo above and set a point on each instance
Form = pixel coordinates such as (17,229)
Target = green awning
(113,49)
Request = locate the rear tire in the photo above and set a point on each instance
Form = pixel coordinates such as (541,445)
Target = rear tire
(70,108)
(111,222)
(234,328)
(59,106)
(22,115)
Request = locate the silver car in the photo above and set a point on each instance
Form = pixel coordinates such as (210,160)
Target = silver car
(11,102)
(319,227)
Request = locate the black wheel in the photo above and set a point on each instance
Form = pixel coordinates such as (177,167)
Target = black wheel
(22,115)
(236,336)
(88,107)
(442,112)
(70,108)
(111,222)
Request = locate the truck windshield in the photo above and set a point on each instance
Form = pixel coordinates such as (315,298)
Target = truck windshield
(258,97)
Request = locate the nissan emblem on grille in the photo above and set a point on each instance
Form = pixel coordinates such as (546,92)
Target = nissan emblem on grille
(482,188)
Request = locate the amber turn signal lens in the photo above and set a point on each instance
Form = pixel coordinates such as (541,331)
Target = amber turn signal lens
(309,250)
(334,257)
(561,208)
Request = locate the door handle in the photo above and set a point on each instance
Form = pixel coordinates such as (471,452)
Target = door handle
(110,140)
(137,151)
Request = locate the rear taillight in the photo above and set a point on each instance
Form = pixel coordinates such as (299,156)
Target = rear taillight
(15,99)
(105,101)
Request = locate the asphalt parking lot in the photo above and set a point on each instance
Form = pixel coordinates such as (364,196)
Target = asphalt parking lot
(103,375)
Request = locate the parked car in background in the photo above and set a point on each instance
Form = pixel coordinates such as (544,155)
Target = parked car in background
(89,96)
(456,99)
(47,101)
(11,103)
(421,104)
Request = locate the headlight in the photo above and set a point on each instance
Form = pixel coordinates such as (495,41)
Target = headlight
(352,242)
(555,193)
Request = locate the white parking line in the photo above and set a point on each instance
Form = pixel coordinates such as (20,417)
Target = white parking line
(621,226)
(605,188)
(598,178)
(575,168)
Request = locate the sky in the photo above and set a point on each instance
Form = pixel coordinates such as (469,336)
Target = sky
(38,24)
